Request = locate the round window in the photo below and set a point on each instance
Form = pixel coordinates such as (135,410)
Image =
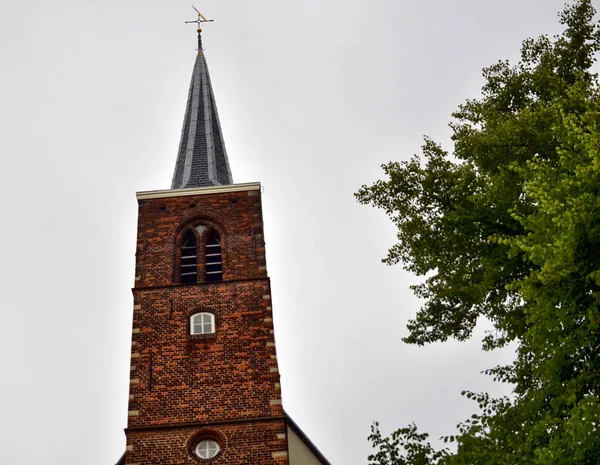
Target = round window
(207,449)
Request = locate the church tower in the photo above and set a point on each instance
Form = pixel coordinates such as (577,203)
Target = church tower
(204,379)
(204,383)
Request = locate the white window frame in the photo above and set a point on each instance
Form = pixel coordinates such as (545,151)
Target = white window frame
(207,448)
(199,322)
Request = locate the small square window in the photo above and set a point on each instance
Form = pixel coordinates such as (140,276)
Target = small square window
(202,323)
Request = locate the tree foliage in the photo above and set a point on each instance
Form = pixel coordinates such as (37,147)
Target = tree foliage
(507,227)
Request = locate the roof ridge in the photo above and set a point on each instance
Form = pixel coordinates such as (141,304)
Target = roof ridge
(306,439)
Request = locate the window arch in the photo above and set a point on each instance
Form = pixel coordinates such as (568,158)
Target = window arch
(213,256)
(200,255)
(189,259)
(202,323)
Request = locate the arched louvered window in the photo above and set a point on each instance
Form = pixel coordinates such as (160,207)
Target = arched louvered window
(202,323)
(214,257)
(189,259)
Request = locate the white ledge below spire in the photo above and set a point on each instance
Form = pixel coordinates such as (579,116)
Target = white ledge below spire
(249,186)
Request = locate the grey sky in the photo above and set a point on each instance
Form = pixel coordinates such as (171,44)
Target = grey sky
(313,96)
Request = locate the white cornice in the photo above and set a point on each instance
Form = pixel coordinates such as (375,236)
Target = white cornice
(147,195)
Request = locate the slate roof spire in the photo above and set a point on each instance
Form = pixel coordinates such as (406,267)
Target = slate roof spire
(202,158)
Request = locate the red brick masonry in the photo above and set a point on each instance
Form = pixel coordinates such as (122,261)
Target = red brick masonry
(226,385)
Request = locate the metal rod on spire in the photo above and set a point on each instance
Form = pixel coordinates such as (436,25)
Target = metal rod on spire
(199,14)
(201,19)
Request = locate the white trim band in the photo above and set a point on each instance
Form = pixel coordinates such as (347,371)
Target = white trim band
(147,195)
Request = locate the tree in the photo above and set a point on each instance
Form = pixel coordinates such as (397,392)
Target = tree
(507,227)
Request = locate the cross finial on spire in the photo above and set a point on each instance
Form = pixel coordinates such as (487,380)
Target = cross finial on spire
(201,19)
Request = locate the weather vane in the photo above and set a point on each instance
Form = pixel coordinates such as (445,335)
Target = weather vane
(201,19)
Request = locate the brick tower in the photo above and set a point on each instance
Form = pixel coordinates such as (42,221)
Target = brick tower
(204,383)
(204,380)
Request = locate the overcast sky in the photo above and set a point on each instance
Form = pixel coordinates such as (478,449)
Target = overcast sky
(313,97)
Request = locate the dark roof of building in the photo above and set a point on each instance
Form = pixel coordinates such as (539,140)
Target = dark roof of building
(292,424)
(202,158)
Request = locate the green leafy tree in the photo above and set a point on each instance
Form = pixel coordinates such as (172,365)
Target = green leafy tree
(507,227)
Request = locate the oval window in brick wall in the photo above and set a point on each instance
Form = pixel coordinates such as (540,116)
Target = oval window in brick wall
(207,448)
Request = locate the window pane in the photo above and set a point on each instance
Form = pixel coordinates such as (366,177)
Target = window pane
(207,449)
(188,278)
(202,323)
(189,240)
(187,270)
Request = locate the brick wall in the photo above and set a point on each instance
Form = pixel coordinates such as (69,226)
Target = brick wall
(161,223)
(225,384)
(247,443)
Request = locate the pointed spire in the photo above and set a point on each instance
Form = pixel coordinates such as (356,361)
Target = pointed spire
(202,158)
